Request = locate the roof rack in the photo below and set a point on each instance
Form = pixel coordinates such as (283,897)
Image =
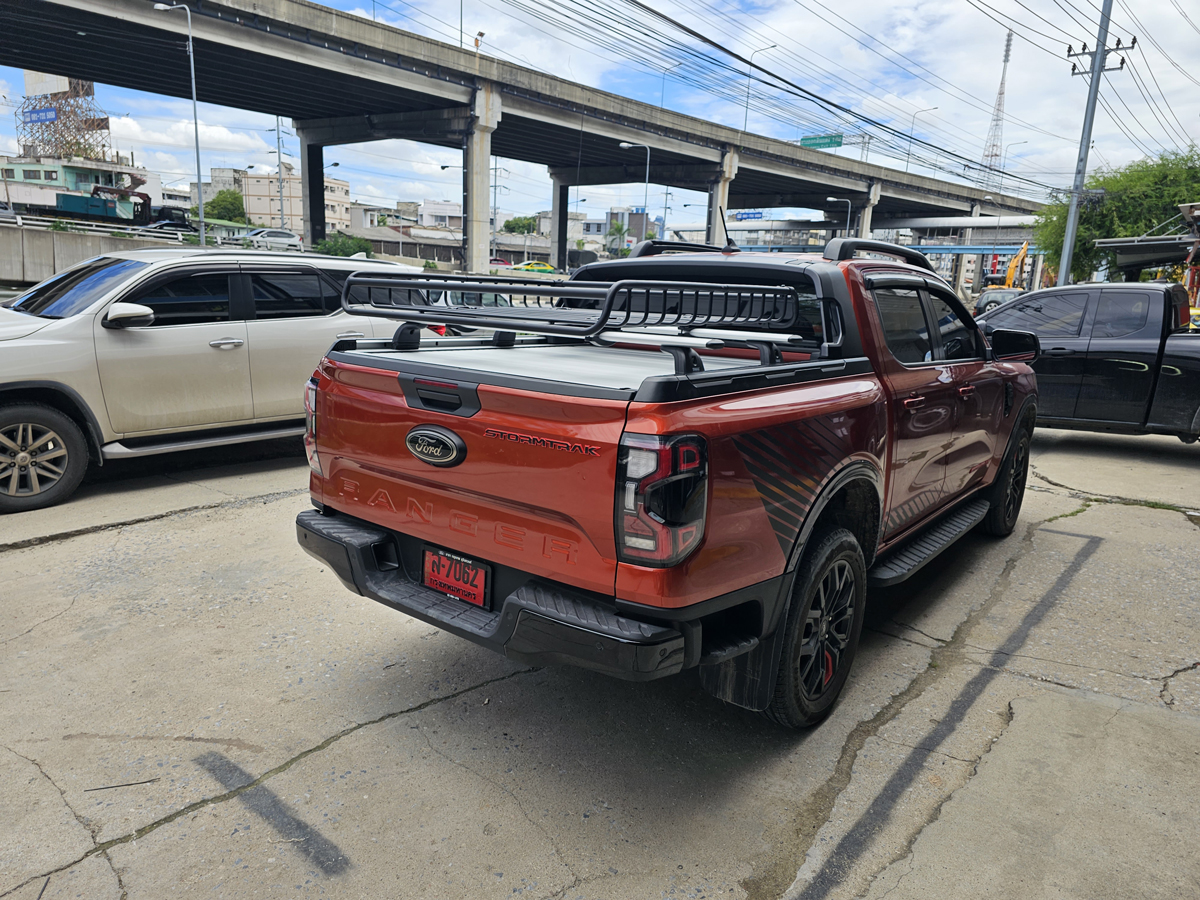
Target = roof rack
(678,317)
(595,307)
(653,248)
(845,248)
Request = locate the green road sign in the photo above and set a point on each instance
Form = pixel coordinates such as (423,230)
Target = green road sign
(821,141)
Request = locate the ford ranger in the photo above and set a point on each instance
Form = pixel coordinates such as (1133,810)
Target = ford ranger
(689,458)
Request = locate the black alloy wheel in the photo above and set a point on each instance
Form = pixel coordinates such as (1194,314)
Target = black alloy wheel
(1008,492)
(823,626)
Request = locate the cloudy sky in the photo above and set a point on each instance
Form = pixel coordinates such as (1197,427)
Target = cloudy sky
(881,62)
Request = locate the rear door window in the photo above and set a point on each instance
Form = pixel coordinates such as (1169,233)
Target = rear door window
(196,299)
(1047,315)
(904,325)
(287,295)
(1120,313)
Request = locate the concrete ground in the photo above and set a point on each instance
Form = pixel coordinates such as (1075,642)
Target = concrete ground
(189,704)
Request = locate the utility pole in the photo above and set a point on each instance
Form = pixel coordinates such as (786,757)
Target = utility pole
(279,166)
(1085,141)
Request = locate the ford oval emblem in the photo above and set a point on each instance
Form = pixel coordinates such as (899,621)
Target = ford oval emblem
(436,445)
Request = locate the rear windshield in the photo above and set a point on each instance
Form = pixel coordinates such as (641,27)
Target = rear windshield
(71,292)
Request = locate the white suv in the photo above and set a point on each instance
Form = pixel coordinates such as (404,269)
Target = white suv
(151,351)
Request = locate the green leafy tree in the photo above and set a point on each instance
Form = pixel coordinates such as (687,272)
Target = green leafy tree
(1124,202)
(343,245)
(520,225)
(226,205)
(617,231)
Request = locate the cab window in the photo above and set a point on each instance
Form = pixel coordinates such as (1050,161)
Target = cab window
(958,338)
(287,295)
(904,326)
(1120,313)
(197,299)
(1047,315)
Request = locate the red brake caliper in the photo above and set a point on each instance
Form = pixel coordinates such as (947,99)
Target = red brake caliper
(828,668)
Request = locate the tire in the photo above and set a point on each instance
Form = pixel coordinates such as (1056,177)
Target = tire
(988,307)
(43,457)
(824,623)
(1008,491)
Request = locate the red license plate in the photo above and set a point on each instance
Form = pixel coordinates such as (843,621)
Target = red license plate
(456,575)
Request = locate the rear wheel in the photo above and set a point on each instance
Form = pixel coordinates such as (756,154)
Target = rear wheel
(43,457)
(1008,491)
(823,626)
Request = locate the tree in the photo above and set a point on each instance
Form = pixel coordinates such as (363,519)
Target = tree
(1124,202)
(520,225)
(226,205)
(343,245)
(618,230)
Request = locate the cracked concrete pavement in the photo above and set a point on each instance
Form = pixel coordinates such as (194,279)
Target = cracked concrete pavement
(189,703)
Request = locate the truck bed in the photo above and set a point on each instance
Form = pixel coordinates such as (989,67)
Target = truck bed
(578,364)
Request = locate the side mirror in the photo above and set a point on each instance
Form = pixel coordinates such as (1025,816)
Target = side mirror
(1015,346)
(128,315)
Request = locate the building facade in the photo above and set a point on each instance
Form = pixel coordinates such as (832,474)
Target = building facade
(34,181)
(262,190)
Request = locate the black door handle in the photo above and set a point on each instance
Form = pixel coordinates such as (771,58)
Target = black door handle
(1058,351)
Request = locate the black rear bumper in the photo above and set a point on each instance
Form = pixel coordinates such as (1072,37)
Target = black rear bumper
(538,624)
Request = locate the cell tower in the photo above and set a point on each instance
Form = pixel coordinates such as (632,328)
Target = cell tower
(59,118)
(993,148)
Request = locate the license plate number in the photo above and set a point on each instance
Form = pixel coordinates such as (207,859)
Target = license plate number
(456,575)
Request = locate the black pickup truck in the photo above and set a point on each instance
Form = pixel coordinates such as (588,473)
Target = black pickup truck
(1115,357)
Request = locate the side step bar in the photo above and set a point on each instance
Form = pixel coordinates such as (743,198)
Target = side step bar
(117,450)
(908,559)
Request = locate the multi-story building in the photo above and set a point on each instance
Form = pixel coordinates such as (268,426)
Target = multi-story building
(439,214)
(34,181)
(262,190)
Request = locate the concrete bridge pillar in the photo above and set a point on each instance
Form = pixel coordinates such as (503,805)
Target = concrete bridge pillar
(560,246)
(312,188)
(477,170)
(718,197)
(864,217)
(961,270)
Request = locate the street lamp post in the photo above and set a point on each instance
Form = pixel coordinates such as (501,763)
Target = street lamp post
(749,74)
(911,128)
(625,145)
(666,196)
(849,208)
(1004,162)
(663,94)
(162,7)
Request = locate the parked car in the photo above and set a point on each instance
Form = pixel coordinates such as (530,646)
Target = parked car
(150,351)
(273,239)
(584,487)
(167,225)
(535,265)
(1115,357)
(993,297)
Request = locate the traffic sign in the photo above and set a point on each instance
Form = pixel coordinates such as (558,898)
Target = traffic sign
(821,141)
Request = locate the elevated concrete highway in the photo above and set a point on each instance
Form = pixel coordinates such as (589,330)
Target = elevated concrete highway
(344,79)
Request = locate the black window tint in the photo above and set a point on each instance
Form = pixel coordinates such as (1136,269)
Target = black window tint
(904,325)
(1120,313)
(287,295)
(191,300)
(1050,315)
(958,338)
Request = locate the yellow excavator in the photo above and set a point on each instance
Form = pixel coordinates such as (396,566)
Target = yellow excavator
(999,288)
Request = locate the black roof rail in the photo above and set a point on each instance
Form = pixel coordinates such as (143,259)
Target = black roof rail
(845,248)
(653,248)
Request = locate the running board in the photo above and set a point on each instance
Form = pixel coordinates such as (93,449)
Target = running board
(117,450)
(908,559)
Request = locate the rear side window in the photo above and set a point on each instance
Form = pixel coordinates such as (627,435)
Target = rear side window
(958,338)
(190,300)
(1121,313)
(904,326)
(287,295)
(1048,315)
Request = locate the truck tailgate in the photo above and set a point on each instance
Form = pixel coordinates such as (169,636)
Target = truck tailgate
(528,456)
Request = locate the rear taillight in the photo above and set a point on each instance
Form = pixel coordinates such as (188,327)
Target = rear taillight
(662,497)
(310,425)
